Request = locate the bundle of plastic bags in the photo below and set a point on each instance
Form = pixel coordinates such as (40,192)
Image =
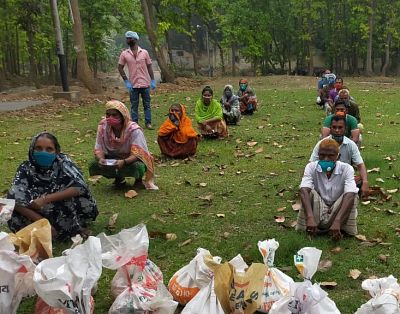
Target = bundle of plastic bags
(138,283)
(276,283)
(34,240)
(6,210)
(305,297)
(16,273)
(385,293)
(191,278)
(66,282)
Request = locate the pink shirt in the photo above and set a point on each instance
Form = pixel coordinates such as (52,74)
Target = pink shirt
(137,67)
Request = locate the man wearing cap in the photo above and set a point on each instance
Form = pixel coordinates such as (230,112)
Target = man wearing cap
(141,76)
(328,194)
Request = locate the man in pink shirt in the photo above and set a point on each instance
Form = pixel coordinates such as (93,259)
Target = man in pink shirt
(141,76)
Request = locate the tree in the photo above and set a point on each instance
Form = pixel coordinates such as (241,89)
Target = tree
(83,70)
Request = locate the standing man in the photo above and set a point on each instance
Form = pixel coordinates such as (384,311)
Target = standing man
(141,77)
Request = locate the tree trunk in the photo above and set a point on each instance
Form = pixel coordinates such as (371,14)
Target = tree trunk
(32,61)
(221,55)
(387,55)
(233,60)
(166,73)
(168,41)
(368,61)
(84,73)
(310,60)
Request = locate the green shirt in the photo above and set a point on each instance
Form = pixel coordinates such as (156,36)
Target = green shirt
(351,124)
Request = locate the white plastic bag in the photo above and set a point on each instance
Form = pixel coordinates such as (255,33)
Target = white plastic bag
(276,283)
(188,280)
(6,210)
(67,281)
(385,293)
(16,273)
(5,243)
(305,297)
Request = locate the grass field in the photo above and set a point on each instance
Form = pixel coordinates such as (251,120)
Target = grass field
(246,186)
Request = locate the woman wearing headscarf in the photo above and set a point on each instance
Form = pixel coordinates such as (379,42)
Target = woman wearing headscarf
(176,136)
(230,105)
(247,98)
(49,185)
(209,116)
(121,149)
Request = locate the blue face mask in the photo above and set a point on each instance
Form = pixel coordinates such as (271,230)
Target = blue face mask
(326,165)
(44,159)
(243,87)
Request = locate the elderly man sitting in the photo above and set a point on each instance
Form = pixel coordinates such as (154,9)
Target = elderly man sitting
(328,194)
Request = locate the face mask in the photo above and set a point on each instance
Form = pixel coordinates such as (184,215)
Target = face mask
(338,86)
(326,165)
(338,138)
(340,113)
(44,159)
(228,94)
(131,43)
(243,87)
(113,121)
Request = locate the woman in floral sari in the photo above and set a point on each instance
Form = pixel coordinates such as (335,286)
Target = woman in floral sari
(121,149)
(49,185)
(209,116)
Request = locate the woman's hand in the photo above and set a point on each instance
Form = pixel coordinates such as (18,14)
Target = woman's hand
(120,164)
(102,162)
(38,203)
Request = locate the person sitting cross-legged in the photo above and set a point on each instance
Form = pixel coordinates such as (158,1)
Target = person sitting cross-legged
(328,194)
(230,106)
(247,98)
(348,153)
(121,149)
(176,136)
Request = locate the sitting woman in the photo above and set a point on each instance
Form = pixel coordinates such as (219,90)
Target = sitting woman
(121,149)
(230,106)
(176,137)
(247,98)
(49,185)
(209,116)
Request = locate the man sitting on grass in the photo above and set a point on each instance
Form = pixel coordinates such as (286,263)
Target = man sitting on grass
(328,194)
(348,152)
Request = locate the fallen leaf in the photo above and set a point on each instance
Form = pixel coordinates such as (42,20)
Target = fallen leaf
(94,179)
(156,217)
(293,224)
(374,170)
(252,143)
(336,250)
(383,258)
(221,173)
(171,236)
(268,157)
(221,215)
(280,219)
(328,284)
(206,168)
(377,209)
(207,197)
(354,273)
(366,202)
(280,209)
(112,221)
(131,194)
(238,140)
(392,191)
(379,180)
(361,237)
(259,150)
(226,235)
(194,214)
(297,206)
(203,184)
(185,243)
(324,265)
(291,171)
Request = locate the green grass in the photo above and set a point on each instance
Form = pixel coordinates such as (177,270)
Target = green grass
(248,191)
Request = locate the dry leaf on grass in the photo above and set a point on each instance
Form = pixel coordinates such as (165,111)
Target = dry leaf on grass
(131,194)
(203,184)
(392,191)
(361,237)
(374,170)
(383,258)
(354,273)
(221,215)
(379,180)
(293,224)
(328,284)
(171,236)
(194,214)
(279,219)
(366,202)
(207,197)
(336,250)
(324,265)
(259,150)
(296,207)
(94,179)
(156,217)
(112,221)
(280,209)
(185,243)
(238,140)
(252,143)
(226,235)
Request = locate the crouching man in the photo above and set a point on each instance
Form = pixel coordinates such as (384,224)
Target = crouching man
(328,194)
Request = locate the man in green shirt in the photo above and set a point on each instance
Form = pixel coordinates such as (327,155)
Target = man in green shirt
(352,130)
